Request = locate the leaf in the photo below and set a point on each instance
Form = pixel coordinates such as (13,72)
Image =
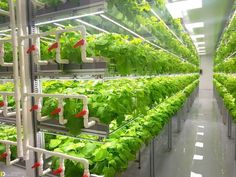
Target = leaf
(54,143)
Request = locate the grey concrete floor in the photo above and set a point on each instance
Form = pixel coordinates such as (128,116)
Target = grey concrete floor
(203,126)
(11,171)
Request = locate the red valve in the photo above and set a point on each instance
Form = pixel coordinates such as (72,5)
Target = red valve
(34,108)
(57,171)
(31,49)
(81,114)
(2,104)
(79,43)
(53,46)
(3,155)
(56,111)
(36,165)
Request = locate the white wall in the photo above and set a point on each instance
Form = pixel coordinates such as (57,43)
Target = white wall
(206,80)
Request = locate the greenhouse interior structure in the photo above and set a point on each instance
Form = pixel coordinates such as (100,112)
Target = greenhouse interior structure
(117,88)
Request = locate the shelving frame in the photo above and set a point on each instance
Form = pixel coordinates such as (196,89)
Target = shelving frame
(30,83)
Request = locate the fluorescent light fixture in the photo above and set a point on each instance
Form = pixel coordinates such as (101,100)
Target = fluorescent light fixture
(197,36)
(92,26)
(201,126)
(199,43)
(60,25)
(191,26)
(199,48)
(203,51)
(69,18)
(4,31)
(127,29)
(7,35)
(177,9)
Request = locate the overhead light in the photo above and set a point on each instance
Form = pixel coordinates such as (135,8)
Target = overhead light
(60,25)
(4,31)
(191,26)
(69,18)
(199,43)
(118,24)
(7,35)
(197,36)
(199,48)
(92,26)
(178,9)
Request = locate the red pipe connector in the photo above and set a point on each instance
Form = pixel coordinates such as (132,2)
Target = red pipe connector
(79,43)
(57,171)
(81,114)
(3,155)
(36,165)
(34,108)
(2,104)
(53,46)
(31,49)
(56,111)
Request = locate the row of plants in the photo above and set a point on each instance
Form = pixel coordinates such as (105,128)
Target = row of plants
(175,25)
(112,100)
(228,66)
(112,156)
(226,86)
(138,14)
(228,43)
(125,55)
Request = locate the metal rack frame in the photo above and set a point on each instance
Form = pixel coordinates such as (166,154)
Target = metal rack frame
(29,74)
(227,118)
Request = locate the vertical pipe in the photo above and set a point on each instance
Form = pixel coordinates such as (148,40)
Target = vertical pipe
(23,6)
(16,78)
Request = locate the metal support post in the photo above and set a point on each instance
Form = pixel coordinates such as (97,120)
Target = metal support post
(170,135)
(178,122)
(229,125)
(152,158)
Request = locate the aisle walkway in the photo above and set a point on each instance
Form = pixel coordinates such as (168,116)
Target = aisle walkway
(202,149)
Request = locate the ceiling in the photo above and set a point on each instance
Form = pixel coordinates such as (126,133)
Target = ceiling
(214,14)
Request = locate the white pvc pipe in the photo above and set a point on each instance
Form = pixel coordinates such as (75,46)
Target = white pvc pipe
(61,97)
(62,157)
(17,95)
(5,107)
(37,54)
(8,145)
(4,12)
(83,47)
(38,35)
(58,52)
(23,78)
